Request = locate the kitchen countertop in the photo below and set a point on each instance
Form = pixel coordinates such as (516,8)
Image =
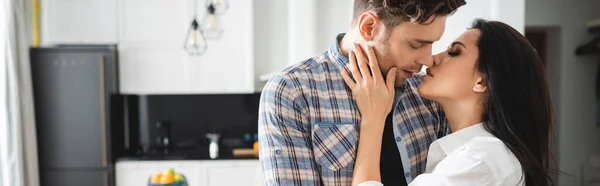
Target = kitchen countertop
(154,158)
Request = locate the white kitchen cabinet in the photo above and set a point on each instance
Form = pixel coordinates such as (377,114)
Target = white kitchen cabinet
(228,64)
(154,22)
(197,172)
(153,60)
(151,35)
(155,70)
(78,22)
(233,173)
(138,172)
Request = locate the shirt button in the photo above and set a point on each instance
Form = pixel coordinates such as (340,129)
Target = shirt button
(278,152)
(398,139)
(407,174)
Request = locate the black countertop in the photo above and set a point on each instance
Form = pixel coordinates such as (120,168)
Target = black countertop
(167,158)
(195,154)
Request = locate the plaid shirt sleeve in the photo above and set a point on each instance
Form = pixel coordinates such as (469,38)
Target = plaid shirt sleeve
(285,151)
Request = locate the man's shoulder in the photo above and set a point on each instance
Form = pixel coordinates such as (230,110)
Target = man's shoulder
(313,64)
(297,74)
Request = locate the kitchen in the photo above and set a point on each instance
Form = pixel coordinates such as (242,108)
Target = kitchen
(179,87)
(129,91)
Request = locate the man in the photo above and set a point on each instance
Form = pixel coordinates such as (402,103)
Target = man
(308,122)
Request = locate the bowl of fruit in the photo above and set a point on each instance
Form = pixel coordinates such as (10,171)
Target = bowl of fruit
(167,178)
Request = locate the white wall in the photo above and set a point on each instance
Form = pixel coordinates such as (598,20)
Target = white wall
(313,25)
(332,17)
(576,132)
(270,37)
(335,16)
(458,23)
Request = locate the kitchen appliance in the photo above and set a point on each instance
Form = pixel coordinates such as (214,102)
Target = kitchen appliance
(156,138)
(78,113)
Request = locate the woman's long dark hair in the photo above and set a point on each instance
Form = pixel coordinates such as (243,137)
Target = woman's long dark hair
(518,108)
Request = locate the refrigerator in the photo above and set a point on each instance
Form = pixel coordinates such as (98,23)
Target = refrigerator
(77,113)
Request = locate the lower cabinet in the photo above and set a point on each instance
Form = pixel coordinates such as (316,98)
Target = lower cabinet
(197,172)
(233,173)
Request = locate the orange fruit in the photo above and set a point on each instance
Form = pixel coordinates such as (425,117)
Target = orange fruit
(167,179)
(155,178)
(255,146)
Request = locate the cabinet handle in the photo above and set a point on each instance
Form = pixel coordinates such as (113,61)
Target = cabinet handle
(102,113)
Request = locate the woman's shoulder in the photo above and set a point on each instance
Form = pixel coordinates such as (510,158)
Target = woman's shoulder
(495,155)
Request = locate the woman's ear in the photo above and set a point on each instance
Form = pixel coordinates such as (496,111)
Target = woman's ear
(368,25)
(480,86)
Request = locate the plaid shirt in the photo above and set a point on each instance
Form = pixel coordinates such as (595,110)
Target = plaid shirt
(309,123)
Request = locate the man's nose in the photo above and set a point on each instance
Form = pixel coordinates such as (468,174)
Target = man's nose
(426,60)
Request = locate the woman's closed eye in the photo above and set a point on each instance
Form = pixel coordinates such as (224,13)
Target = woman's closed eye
(455,48)
(453,52)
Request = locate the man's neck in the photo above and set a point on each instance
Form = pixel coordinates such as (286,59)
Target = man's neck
(347,42)
(462,114)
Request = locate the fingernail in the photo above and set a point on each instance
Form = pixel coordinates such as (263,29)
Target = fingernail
(368,47)
(395,71)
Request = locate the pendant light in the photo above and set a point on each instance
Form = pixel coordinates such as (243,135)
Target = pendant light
(220,6)
(195,43)
(212,23)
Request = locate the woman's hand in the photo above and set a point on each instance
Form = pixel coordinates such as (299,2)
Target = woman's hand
(374,98)
(373,95)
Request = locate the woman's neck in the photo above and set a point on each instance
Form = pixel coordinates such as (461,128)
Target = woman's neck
(462,114)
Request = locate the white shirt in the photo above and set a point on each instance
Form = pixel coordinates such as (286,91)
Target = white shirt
(471,156)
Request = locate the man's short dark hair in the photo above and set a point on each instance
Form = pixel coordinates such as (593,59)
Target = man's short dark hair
(394,12)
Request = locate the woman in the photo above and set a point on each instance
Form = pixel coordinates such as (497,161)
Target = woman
(492,86)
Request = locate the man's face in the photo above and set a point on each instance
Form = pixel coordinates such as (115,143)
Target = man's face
(407,46)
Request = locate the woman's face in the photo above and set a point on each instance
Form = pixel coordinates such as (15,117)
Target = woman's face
(454,74)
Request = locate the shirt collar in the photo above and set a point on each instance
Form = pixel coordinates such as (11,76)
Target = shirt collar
(335,53)
(459,138)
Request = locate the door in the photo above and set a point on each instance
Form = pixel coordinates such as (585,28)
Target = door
(76,178)
(69,106)
(537,38)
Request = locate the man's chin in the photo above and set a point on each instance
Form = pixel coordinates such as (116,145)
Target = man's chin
(400,81)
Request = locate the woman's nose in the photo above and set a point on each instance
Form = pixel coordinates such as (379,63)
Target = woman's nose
(436,59)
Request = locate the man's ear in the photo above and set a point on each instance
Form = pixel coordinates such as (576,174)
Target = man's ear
(368,25)
(480,86)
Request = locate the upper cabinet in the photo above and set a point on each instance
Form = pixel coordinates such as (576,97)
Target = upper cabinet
(154,22)
(151,34)
(79,22)
(152,55)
